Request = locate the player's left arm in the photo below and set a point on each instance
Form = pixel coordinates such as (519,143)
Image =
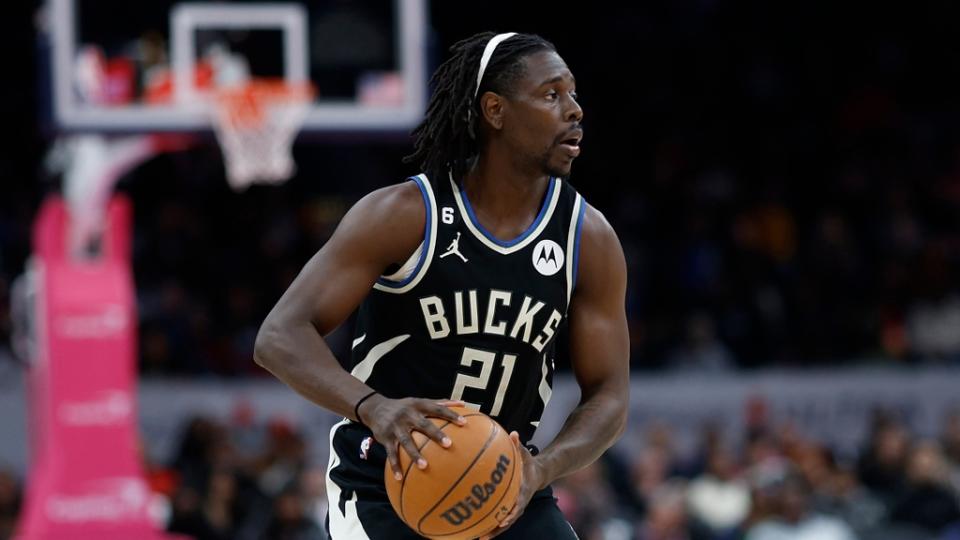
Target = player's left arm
(600,357)
(599,353)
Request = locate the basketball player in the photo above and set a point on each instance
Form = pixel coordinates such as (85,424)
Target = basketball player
(463,275)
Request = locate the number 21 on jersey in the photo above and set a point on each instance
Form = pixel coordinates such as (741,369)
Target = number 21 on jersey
(481,382)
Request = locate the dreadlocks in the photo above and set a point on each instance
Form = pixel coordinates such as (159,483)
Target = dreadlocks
(448,136)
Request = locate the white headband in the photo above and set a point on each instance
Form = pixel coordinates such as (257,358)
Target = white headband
(487,53)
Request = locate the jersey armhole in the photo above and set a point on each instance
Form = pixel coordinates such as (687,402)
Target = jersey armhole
(573,245)
(411,273)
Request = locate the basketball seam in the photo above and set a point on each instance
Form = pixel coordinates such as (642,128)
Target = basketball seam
(403,482)
(493,434)
(421,447)
(503,494)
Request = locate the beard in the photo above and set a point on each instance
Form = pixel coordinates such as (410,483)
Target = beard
(551,168)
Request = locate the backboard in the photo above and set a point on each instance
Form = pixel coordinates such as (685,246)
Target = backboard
(121,66)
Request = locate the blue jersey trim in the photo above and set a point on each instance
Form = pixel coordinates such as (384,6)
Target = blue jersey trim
(524,234)
(576,243)
(426,241)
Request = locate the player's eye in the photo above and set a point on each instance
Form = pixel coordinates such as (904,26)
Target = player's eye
(552,95)
(575,95)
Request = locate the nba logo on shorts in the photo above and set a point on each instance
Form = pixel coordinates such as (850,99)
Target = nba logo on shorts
(365,447)
(547,257)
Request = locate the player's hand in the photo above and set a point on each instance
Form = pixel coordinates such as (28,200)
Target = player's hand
(532,478)
(393,420)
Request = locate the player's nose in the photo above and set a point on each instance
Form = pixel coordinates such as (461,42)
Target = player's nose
(573,112)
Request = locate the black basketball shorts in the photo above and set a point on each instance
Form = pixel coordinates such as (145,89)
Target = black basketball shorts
(359,508)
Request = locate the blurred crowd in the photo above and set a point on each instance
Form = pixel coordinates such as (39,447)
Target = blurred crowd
(248,481)
(776,484)
(242,483)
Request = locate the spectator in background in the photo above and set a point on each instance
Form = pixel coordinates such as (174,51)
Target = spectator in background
(927,500)
(313,482)
(219,509)
(193,455)
(588,501)
(763,479)
(10,498)
(215,513)
(666,517)
(881,465)
(283,461)
(950,441)
(718,501)
(190,465)
(616,467)
(655,462)
(762,450)
(290,520)
(839,493)
(185,517)
(792,518)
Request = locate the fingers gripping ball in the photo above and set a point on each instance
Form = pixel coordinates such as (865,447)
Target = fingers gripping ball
(467,489)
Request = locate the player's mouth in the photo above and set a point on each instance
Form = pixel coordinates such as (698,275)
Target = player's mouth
(570,142)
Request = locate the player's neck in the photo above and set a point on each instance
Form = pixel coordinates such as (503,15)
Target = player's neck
(501,193)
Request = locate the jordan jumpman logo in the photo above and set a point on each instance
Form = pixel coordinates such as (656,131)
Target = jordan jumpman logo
(454,248)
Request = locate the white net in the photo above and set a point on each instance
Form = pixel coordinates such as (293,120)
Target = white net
(255,125)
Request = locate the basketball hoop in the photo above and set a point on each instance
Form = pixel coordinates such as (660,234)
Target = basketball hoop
(255,124)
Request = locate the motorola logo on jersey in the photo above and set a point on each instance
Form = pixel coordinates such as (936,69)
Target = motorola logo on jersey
(547,257)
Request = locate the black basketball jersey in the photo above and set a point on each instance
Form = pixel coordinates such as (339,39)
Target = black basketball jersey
(470,316)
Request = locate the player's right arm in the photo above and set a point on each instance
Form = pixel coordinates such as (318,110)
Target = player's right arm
(382,229)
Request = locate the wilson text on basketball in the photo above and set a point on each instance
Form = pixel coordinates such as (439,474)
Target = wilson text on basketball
(479,495)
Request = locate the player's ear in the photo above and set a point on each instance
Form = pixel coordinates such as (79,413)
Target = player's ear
(491,106)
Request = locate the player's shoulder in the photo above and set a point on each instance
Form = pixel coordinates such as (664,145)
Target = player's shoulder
(400,201)
(601,260)
(397,209)
(595,229)
(389,220)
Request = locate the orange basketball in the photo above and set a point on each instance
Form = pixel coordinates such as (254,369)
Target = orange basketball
(467,489)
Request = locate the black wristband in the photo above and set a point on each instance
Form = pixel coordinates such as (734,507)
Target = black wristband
(356,408)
